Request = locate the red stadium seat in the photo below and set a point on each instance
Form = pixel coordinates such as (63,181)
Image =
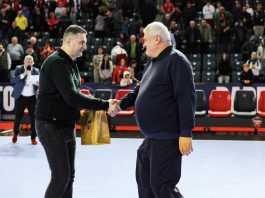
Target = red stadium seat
(220,103)
(119,95)
(261,104)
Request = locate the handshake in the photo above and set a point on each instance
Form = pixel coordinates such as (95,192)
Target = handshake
(114,107)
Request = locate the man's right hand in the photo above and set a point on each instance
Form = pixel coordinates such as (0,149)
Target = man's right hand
(113,107)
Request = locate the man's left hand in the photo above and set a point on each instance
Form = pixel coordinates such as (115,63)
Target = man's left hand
(185,145)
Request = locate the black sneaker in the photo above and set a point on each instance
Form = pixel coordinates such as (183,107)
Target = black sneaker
(176,193)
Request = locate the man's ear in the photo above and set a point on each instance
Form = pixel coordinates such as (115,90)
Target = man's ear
(157,39)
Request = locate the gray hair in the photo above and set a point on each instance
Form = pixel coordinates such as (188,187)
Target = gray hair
(158,29)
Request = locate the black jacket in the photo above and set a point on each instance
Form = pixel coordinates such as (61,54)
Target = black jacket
(59,96)
(165,100)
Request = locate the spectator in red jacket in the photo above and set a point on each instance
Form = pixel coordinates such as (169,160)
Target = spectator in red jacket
(118,72)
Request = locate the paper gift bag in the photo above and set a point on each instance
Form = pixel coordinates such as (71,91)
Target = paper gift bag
(98,133)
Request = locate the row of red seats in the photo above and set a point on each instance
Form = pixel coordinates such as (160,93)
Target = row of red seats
(221,104)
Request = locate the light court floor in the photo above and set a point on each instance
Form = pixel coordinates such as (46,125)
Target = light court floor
(216,169)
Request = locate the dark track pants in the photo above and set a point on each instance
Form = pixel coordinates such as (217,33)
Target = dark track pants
(158,168)
(59,144)
(20,105)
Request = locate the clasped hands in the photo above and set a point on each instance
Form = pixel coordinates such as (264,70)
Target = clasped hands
(114,107)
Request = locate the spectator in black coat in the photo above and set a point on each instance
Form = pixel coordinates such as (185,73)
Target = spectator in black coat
(246,77)
(224,69)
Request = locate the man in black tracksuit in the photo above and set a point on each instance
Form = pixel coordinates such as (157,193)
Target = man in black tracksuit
(164,111)
(57,110)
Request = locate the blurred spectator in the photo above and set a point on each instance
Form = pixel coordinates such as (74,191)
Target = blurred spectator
(15,31)
(246,77)
(208,13)
(123,39)
(134,25)
(141,33)
(133,49)
(166,20)
(51,5)
(117,21)
(148,11)
(86,9)
(117,53)
(258,20)
(100,24)
(254,65)
(60,10)
(109,24)
(224,71)
(52,22)
(63,2)
(248,47)
(127,8)
(5,64)
(46,51)
(126,80)
(173,28)
(30,51)
(223,25)
(14,5)
(38,21)
(192,38)
(96,64)
(22,21)
(5,23)
(118,72)
(237,11)
(26,12)
(249,9)
(206,36)
(222,17)
(33,42)
(134,70)
(73,14)
(176,15)
(64,23)
(189,14)
(246,18)
(241,35)
(168,7)
(16,52)
(95,8)
(106,69)
(261,53)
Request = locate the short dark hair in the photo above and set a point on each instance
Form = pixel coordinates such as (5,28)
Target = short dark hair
(74,29)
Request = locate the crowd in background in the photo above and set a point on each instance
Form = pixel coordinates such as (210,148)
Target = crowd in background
(115,34)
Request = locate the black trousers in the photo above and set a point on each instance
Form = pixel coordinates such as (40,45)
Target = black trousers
(59,144)
(158,168)
(20,104)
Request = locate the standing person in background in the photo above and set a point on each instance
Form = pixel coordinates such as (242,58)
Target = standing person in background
(106,69)
(5,64)
(16,52)
(261,53)
(96,61)
(25,95)
(58,109)
(164,111)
